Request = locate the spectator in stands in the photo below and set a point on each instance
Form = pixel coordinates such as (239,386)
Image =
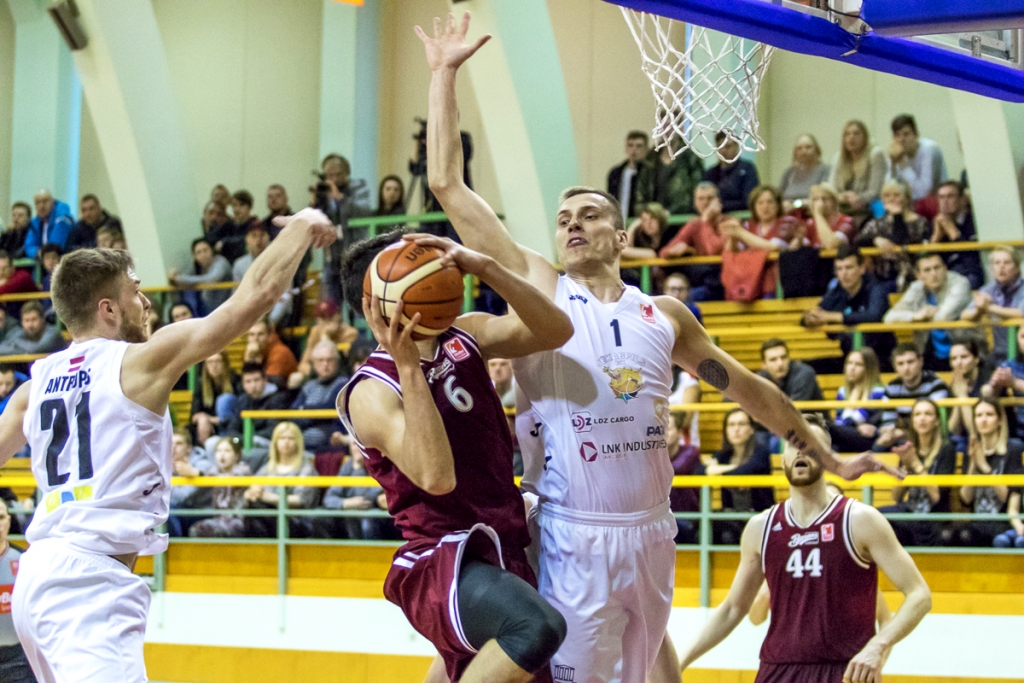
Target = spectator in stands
(287,458)
(500,370)
(221,231)
(1010,377)
(10,380)
(108,237)
(735,179)
(209,268)
(806,172)
(49,256)
(347,197)
(623,180)
(678,287)
(686,390)
(912,381)
(221,194)
(181,311)
(899,227)
(855,298)
(14,281)
(12,240)
(329,326)
(34,336)
(256,240)
(796,379)
(257,394)
(187,462)
(937,294)
(391,196)
(644,235)
(351,498)
(8,323)
(1000,300)
(214,400)
(828,227)
(320,392)
(742,453)
(955,223)
(669,177)
(768,227)
(232,241)
(52,224)
(854,428)
(915,160)
(277,205)
(858,172)
(92,217)
(228,457)
(926,451)
(992,451)
(970,375)
(265,347)
(701,236)
(685,461)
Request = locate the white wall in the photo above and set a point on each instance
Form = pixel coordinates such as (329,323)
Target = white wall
(6,109)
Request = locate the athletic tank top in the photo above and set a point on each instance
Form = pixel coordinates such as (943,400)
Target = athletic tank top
(101,461)
(602,405)
(822,590)
(477,429)
(8,573)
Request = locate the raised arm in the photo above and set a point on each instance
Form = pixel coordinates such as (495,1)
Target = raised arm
(762,399)
(737,603)
(475,222)
(534,323)
(872,533)
(151,369)
(12,421)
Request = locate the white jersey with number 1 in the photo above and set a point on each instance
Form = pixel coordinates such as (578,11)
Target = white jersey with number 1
(603,402)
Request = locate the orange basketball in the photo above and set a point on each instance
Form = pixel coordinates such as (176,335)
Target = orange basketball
(408,272)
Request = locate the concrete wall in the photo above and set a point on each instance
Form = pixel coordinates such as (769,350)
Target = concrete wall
(6,109)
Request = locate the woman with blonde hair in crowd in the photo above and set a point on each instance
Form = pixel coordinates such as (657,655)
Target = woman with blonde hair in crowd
(854,428)
(828,227)
(900,226)
(214,402)
(858,171)
(287,458)
(992,451)
(806,172)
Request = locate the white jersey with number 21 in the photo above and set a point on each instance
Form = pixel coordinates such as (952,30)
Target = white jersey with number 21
(101,461)
(602,405)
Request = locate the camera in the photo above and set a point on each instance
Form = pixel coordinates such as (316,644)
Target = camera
(321,192)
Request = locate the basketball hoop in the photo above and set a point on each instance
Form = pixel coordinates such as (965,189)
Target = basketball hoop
(702,90)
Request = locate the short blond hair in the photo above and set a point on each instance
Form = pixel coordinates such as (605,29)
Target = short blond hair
(1010,251)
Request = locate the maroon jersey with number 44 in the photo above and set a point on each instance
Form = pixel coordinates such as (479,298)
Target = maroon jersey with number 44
(822,590)
(485,490)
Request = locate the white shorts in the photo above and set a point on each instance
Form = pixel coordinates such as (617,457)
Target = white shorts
(611,576)
(81,617)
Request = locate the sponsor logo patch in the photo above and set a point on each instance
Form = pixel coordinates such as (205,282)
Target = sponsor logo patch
(456,349)
(809,538)
(777,527)
(582,422)
(76,363)
(5,598)
(647,313)
(828,532)
(588,451)
(564,674)
(577,297)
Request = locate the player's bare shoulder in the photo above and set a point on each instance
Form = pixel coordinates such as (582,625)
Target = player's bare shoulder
(677,312)
(868,526)
(753,532)
(373,406)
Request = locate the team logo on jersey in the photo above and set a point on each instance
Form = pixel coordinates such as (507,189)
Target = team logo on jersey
(76,363)
(577,297)
(809,538)
(14,567)
(440,371)
(647,313)
(588,451)
(5,598)
(564,674)
(582,422)
(626,382)
(456,349)
(828,532)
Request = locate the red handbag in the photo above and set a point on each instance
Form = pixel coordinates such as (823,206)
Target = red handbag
(746,275)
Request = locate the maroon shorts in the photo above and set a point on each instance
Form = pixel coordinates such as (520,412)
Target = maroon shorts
(827,672)
(423,581)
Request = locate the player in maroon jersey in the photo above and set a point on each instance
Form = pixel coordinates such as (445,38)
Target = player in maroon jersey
(434,435)
(820,553)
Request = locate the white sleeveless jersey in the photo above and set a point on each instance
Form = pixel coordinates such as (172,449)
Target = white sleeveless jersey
(600,406)
(101,461)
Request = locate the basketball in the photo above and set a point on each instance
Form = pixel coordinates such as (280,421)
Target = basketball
(412,273)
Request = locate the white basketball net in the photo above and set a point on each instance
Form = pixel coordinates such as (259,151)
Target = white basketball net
(704,89)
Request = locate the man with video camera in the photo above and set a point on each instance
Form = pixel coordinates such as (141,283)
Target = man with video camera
(341,197)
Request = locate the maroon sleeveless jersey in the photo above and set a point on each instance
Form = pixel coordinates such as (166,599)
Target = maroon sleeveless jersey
(485,490)
(822,590)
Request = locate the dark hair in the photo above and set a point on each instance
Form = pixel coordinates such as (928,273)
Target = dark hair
(720,137)
(187,305)
(951,183)
(748,449)
(277,186)
(250,367)
(4,256)
(845,251)
(33,307)
(243,197)
(975,345)
(902,121)
(199,240)
(773,344)
(355,262)
(575,190)
(380,192)
(905,347)
(756,193)
(23,205)
(637,135)
(89,198)
(345,167)
(5,368)
(924,255)
(82,279)
(49,248)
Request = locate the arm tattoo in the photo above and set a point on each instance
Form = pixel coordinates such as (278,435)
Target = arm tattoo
(714,373)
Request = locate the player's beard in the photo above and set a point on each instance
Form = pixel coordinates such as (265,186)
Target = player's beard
(814,473)
(132,332)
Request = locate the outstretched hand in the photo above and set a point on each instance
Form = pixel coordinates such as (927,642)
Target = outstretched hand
(865,463)
(313,221)
(448,47)
(465,259)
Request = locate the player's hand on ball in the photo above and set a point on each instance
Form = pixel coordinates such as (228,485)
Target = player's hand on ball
(393,337)
(865,463)
(448,46)
(313,221)
(465,259)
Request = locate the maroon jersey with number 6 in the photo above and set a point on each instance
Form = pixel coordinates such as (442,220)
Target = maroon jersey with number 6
(822,590)
(485,490)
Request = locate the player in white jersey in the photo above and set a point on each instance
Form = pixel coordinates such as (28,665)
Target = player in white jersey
(96,417)
(607,552)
